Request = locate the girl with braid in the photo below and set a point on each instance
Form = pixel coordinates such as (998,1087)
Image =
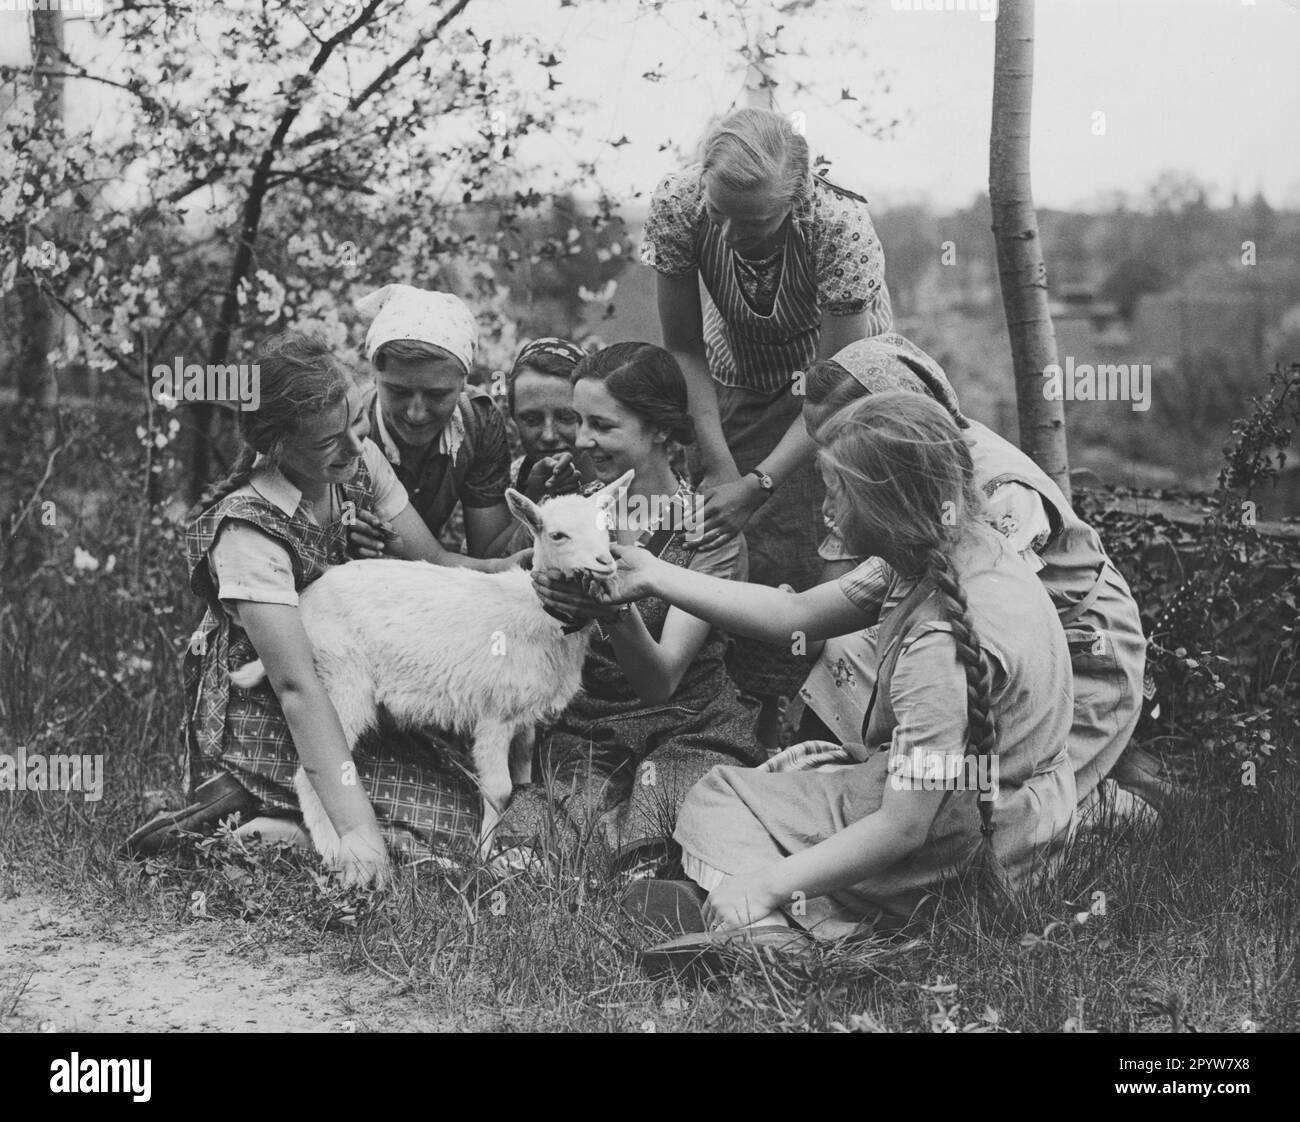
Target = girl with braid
(963,751)
(1096,609)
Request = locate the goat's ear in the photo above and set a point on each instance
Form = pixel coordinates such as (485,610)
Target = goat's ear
(524,509)
(608,495)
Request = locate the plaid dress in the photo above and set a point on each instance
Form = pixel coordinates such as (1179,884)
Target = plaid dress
(419,782)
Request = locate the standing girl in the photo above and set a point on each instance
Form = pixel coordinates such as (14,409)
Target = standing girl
(793,272)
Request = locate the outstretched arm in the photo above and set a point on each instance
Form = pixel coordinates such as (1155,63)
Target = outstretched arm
(753,610)
(412,541)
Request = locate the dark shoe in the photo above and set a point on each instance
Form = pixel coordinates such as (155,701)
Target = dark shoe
(714,953)
(647,859)
(673,907)
(1140,774)
(214,799)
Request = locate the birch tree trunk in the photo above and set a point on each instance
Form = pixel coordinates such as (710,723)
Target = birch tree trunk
(1021,269)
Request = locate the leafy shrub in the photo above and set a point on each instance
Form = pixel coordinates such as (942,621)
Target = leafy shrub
(1219,603)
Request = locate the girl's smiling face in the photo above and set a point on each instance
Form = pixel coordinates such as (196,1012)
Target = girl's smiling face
(614,438)
(544,413)
(418,397)
(326,449)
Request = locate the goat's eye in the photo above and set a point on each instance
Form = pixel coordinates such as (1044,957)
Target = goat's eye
(559,536)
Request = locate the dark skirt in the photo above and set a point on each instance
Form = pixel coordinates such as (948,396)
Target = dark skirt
(611,774)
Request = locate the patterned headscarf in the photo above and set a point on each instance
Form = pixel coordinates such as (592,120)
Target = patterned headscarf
(403,312)
(891,362)
(550,345)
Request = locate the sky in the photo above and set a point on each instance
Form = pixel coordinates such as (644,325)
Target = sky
(1211,87)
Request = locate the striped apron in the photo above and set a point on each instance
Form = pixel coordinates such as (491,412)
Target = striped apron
(754,359)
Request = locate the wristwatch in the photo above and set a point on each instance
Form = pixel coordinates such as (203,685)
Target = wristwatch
(765,481)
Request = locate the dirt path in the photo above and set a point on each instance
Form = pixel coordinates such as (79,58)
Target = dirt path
(205,977)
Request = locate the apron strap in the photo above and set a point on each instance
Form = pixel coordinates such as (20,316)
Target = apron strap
(1089,598)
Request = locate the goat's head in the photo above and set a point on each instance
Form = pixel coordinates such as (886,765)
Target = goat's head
(571,532)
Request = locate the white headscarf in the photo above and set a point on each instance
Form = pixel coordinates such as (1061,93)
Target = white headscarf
(401,311)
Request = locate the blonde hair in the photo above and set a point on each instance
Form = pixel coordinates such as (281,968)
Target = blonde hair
(906,471)
(758,148)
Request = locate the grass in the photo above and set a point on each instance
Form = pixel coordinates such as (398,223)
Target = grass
(1195,926)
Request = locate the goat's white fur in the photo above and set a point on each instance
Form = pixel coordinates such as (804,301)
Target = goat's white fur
(473,653)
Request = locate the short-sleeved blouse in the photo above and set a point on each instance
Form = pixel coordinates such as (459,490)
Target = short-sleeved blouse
(833,265)
(249,565)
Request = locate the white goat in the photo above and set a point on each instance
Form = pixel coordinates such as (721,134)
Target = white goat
(472,653)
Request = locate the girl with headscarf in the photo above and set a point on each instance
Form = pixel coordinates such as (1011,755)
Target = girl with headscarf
(1094,604)
(447,443)
(792,271)
(539,394)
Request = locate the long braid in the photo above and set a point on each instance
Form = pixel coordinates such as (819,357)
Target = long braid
(241,471)
(981,734)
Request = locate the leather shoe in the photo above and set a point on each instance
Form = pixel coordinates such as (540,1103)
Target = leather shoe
(214,799)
